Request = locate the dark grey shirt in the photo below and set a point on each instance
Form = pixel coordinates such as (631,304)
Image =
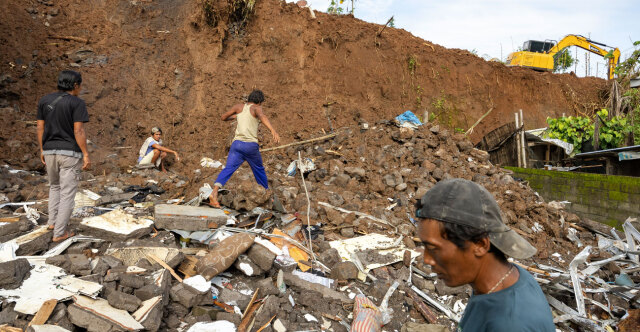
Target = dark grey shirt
(521,307)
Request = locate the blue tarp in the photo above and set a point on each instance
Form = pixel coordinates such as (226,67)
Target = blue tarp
(409,117)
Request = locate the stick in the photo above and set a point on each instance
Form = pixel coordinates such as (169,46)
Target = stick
(518,142)
(9,219)
(532,269)
(78,39)
(43,314)
(385,26)
(163,264)
(308,206)
(301,142)
(269,322)
(522,141)
(422,308)
(478,122)
(253,299)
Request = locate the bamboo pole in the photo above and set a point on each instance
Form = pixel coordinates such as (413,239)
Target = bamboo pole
(298,143)
(523,141)
(518,142)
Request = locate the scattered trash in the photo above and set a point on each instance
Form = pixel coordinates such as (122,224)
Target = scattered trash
(210,163)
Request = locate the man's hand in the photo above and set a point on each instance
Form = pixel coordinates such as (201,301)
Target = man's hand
(42,158)
(177,157)
(86,163)
(276,137)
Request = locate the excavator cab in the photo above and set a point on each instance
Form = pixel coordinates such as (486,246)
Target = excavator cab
(537,46)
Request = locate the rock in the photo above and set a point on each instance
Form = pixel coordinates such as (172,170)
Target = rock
(34,242)
(341,180)
(347,232)
(437,174)
(12,273)
(231,296)
(327,293)
(261,256)
(392,179)
(401,187)
(356,172)
(123,301)
(330,257)
(336,199)
(344,271)
(79,264)
(267,287)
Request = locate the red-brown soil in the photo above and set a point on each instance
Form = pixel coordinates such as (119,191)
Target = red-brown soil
(156,62)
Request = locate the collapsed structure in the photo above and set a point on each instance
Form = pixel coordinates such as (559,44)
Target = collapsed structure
(148,258)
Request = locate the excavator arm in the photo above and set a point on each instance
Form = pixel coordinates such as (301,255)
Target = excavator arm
(540,57)
(591,46)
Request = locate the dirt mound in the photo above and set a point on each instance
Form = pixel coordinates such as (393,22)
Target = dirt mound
(149,63)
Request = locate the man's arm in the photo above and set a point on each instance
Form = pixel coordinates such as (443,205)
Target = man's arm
(40,125)
(231,113)
(162,148)
(81,139)
(263,118)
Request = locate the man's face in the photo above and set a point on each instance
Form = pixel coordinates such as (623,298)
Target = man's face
(157,136)
(454,266)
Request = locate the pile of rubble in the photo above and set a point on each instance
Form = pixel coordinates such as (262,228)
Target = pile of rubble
(148,258)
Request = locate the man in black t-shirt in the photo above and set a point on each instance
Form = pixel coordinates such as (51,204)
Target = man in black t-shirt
(63,148)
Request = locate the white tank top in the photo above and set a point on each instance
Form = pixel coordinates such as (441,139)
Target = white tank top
(247,129)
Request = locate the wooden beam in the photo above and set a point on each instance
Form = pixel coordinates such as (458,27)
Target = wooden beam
(163,264)
(43,314)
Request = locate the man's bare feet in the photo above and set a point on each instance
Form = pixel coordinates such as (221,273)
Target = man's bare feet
(50,227)
(64,236)
(213,200)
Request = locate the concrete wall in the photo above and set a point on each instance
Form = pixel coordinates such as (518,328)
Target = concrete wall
(605,198)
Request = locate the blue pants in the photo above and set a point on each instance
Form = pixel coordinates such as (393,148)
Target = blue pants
(239,153)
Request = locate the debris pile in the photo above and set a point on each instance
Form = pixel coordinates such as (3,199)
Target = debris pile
(337,245)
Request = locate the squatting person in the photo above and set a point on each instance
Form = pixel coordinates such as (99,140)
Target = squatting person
(63,148)
(245,143)
(466,242)
(152,152)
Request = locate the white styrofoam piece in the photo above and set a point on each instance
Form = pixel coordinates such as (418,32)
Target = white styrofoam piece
(383,244)
(117,221)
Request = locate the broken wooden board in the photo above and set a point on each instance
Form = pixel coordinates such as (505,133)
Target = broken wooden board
(188,218)
(43,314)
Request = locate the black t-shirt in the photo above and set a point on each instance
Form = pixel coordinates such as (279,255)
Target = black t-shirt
(58,123)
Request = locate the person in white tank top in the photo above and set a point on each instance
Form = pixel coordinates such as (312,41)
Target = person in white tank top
(245,143)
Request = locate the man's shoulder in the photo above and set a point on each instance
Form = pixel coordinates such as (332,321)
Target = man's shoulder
(49,97)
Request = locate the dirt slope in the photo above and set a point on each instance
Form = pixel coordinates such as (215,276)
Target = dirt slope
(155,62)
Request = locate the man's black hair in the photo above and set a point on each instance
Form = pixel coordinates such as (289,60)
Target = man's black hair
(256,97)
(460,234)
(68,79)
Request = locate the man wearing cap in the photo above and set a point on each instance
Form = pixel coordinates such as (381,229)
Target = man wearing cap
(466,242)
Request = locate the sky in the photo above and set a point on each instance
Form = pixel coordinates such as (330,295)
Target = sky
(495,28)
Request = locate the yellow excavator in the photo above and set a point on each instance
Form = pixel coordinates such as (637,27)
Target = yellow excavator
(538,55)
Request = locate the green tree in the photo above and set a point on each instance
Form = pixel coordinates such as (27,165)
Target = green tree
(563,60)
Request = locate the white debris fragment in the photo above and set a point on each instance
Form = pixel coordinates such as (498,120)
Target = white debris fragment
(198,282)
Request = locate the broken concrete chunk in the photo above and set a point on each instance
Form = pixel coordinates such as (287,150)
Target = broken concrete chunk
(12,230)
(117,198)
(46,328)
(188,218)
(344,271)
(100,267)
(147,292)
(116,225)
(12,273)
(230,296)
(131,255)
(222,256)
(112,261)
(327,293)
(97,315)
(248,267)
(261,256)
(34,242)
(187,295)
(123,301)
(131,280)
(150,313)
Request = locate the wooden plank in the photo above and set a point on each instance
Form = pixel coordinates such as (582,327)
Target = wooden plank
(7,328)
(163,264)
(43,314)
(188,266)
(9,219)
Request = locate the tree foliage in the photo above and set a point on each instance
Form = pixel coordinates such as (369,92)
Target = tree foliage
(563,60)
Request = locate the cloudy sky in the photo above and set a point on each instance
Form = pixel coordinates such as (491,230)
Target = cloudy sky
(494,28)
